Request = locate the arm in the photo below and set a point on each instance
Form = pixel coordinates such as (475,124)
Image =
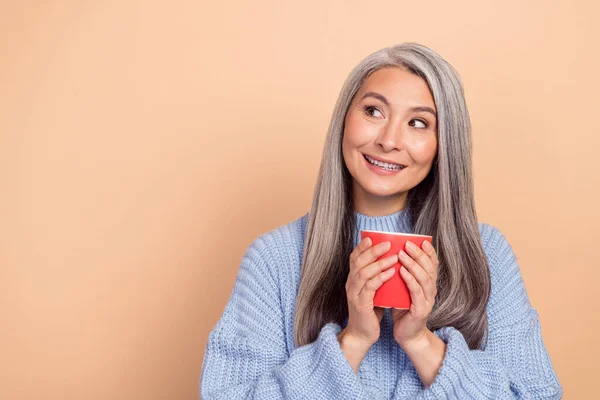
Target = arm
(353,349)
(427,355)
(514,363)
(247,357)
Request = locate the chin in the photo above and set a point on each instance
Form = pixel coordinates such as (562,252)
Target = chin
(383,192)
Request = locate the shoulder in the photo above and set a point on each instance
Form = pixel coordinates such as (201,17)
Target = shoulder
(498,251)
(505,274)
(278,249)
(286,238)
(495,244)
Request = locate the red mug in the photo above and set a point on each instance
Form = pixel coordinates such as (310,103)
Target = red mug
(393,293)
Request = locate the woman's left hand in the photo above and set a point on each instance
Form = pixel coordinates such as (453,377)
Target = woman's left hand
(419,271)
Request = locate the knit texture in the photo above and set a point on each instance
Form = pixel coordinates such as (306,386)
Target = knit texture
(251,352)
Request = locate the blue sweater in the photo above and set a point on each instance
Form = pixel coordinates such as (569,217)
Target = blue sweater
(251,352)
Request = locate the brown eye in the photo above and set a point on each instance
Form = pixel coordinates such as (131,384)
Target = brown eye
(372,112)
(417,123)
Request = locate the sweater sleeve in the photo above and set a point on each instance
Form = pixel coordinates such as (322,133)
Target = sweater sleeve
(514,363)
(246,355)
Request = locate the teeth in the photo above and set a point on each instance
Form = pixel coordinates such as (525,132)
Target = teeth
(391,167)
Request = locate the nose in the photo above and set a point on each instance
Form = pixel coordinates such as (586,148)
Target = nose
(391,136)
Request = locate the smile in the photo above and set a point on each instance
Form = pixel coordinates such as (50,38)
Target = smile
(383,165)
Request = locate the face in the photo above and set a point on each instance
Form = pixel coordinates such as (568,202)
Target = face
(390,139)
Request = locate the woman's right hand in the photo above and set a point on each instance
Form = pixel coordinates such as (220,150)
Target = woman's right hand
(365,277)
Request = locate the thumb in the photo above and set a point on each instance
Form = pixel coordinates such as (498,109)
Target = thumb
(379,312)
(397,314)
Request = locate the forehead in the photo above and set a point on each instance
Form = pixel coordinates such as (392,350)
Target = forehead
(399,86)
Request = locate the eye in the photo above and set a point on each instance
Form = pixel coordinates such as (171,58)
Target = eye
(418,123)
(372,111)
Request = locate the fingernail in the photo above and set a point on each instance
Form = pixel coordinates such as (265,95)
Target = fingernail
(387,245)
(390,272)
(426,245)
(411,245)
(403,255)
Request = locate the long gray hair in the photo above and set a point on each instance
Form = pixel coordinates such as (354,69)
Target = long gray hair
(442,205)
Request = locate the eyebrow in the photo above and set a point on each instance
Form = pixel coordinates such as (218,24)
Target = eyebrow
(387,103)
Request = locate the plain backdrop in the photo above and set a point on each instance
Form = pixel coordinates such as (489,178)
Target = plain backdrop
(144,145)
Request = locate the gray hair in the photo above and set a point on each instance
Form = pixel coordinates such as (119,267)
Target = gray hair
(442,206)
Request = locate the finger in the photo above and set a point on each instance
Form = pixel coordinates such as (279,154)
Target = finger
(371,254)
(430,251)
(417,296)
(421,258)
(362,276)
(372,270)
(420,274)
(362,246)
(368,291)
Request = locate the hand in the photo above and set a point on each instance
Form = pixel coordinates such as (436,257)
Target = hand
(419,271)
(365,277)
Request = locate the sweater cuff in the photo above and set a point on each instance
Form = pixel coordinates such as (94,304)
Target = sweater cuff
(330,368)
(453,376)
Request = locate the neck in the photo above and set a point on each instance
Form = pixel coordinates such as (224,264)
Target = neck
(376,206)
(399,221)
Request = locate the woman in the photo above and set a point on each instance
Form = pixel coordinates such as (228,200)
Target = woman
(300,323)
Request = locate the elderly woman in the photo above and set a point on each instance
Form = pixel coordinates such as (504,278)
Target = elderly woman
(301,324)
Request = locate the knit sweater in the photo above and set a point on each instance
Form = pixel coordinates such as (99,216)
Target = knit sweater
(251,352)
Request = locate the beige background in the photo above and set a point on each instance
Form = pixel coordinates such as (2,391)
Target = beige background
(144,145)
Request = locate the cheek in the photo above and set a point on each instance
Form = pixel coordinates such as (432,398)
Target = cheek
(356,132)
(423,151)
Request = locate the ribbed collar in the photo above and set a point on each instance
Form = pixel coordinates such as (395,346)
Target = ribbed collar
(396,222)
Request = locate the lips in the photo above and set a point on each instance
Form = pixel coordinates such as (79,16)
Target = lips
(385,164)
